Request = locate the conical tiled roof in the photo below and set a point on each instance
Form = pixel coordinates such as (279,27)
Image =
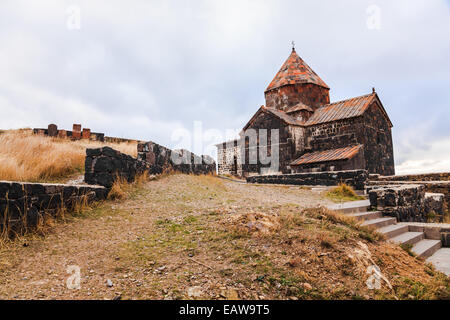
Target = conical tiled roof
(294,71)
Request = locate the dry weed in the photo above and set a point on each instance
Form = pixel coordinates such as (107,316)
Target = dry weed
(28,157)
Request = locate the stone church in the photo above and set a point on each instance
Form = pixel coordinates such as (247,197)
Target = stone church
(314,134)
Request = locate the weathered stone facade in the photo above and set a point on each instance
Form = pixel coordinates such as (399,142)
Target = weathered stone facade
(285,97)
(298,106)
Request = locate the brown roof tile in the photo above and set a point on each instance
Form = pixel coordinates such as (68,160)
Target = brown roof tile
(341,110)
(328,155)
(278,113)
(293,71)
(298,107)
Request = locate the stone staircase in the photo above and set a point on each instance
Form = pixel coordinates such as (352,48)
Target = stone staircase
(398,233)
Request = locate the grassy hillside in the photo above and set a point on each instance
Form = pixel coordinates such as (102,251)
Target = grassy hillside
(201,237)
(28,157)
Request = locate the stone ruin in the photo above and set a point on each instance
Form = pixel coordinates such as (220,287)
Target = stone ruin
(77,133)
(104,165)
(409,198)
(23,204)
(162,159)
(407,203)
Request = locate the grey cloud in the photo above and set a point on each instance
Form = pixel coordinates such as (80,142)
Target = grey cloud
(143,68)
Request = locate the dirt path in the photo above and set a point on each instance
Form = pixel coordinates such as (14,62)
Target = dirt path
(134,249)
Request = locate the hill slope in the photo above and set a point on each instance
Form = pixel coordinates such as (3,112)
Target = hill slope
(202,237)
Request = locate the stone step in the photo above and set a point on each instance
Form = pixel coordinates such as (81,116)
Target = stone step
(441,260)
(393,230)
(380,222)
(351,207)
(408,238)
(425,248)
(363,216)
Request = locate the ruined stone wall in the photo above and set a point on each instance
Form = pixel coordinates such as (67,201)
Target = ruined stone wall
(78,133)
(161,159)
(407,203)
(287,96)
(104,165)
(354,178)
(444,176)
(24,203)
(442,187)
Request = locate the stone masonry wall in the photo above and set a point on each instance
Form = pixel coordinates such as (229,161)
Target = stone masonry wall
(104,165)
(355,178)
(444,176)
(287,96)
(161,159)
(371,130)
(407,203)
(24,203)
(377,140)
(431,186)
(229,159)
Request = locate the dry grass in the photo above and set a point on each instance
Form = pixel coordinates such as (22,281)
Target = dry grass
(343,193)
(122,189)
(28,157)
(119,189)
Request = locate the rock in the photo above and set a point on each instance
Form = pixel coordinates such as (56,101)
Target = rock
(109,283)
(229,294)
(232,294)
(307,286)
(195,292)
(322,254)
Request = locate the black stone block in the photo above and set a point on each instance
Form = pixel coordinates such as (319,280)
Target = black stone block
(33,189)
(103,164)
(93,152)
(109,152)
(15,191)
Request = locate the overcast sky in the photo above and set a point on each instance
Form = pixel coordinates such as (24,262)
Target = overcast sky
(143,69)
